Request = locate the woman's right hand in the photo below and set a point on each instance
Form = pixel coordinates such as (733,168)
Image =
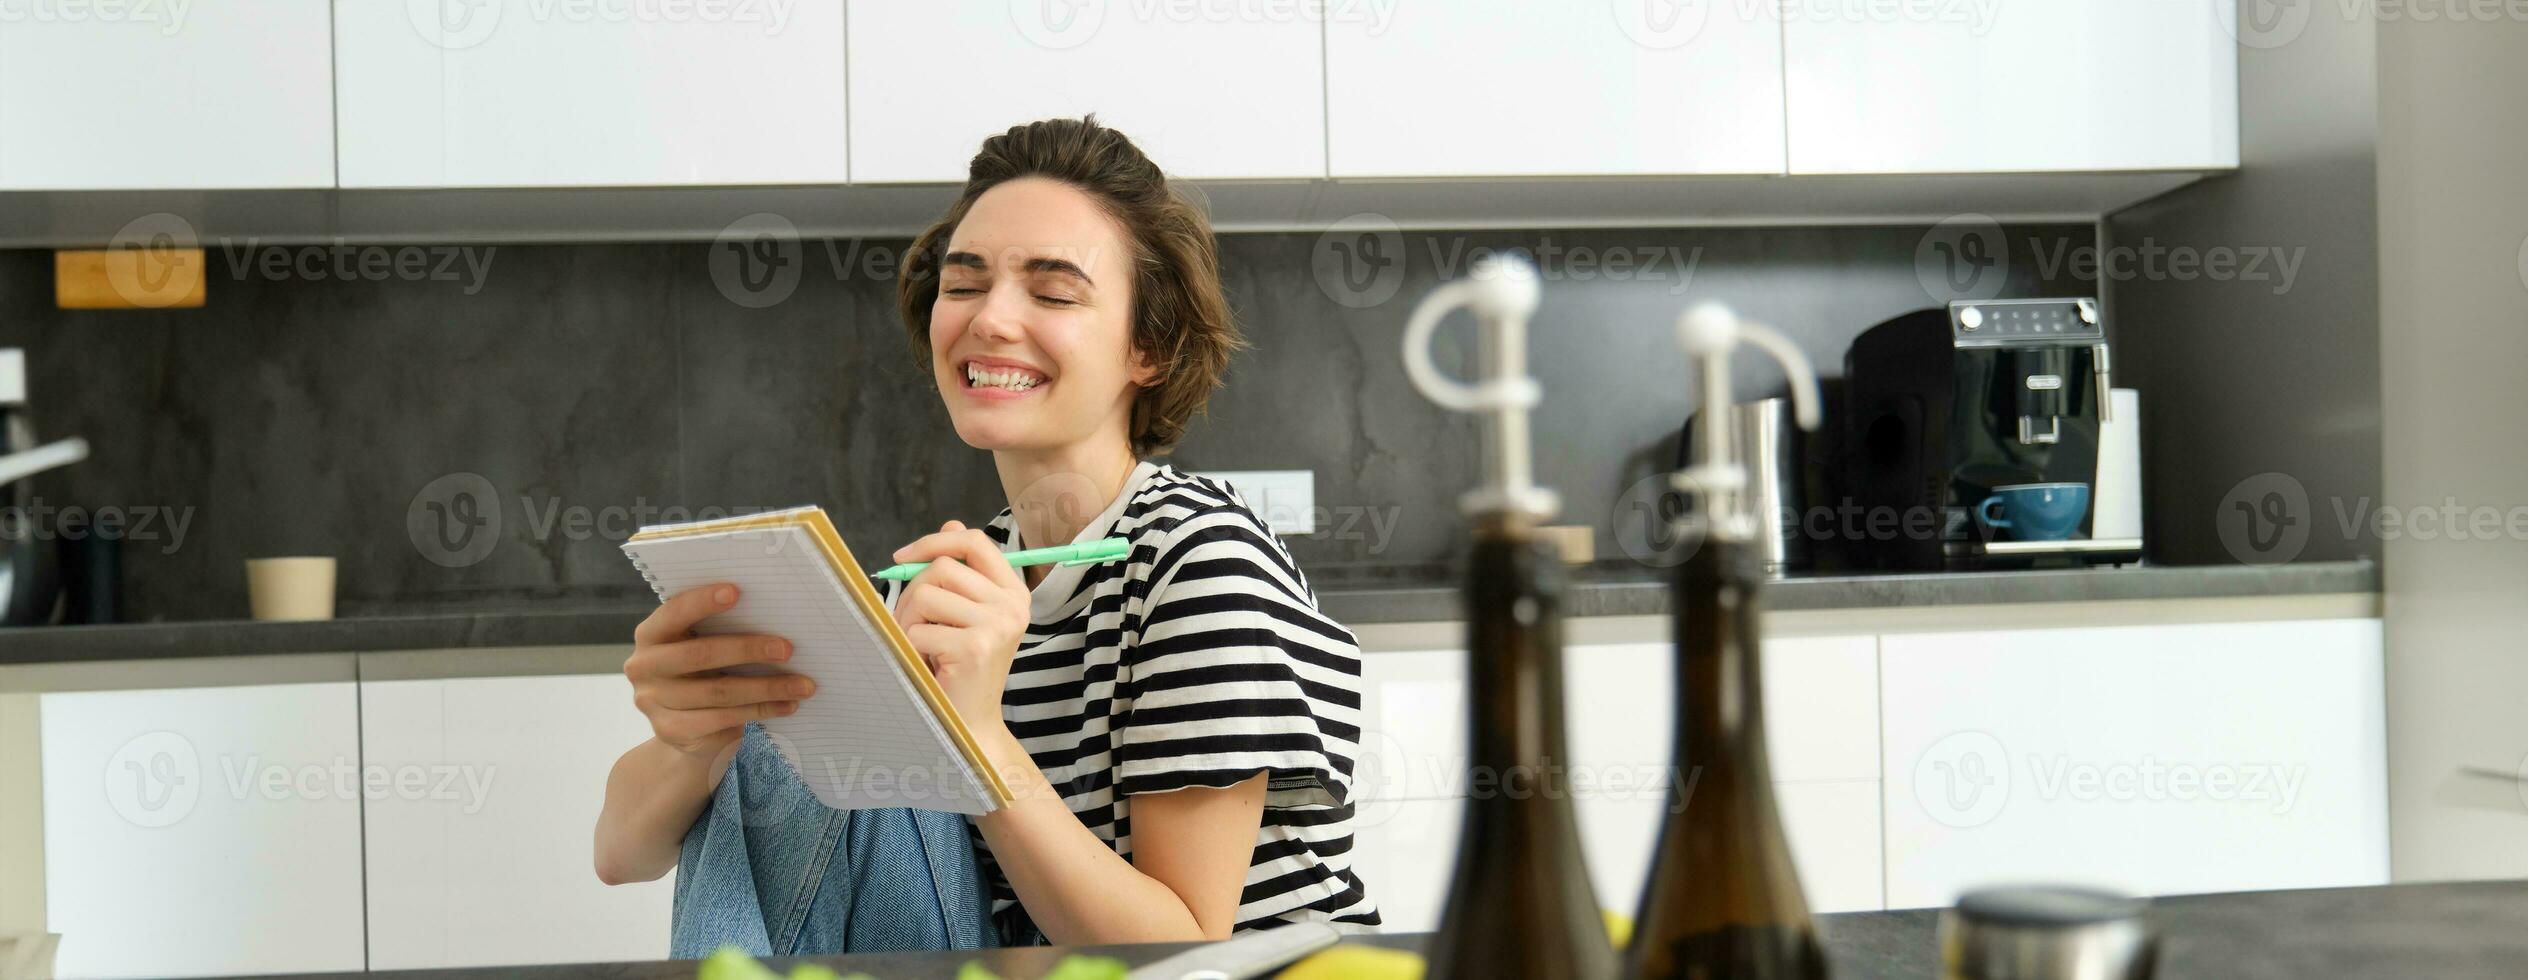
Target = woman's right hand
(680,681)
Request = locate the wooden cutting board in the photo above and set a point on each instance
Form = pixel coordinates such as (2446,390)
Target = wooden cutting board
(129,279)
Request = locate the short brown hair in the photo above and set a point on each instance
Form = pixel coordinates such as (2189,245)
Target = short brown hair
(1179,316)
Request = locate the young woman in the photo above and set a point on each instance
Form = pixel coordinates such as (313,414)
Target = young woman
(1178,727)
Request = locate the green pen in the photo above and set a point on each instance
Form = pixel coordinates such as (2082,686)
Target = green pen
(1083,553)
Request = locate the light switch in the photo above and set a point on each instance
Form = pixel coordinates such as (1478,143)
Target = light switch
(1285,499)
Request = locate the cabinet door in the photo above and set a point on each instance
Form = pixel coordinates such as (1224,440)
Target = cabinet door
(1413,726)
(2155,759)
(1833,827)
(2049,85)
(203,831)
(1820,731)
(145,96)
(1821,721)
(533,93)
(1546,87)
(1820,706)
(1404,853)
(480,851)
(1207,91)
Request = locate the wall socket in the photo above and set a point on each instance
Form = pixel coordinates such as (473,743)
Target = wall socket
(1285,499)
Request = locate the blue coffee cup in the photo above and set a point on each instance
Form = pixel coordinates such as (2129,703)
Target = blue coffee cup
(2036,511)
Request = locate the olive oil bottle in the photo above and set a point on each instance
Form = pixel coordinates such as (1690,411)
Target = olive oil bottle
(1724,899)
(1519,903)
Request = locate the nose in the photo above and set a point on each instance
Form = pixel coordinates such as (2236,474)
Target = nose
(998,319)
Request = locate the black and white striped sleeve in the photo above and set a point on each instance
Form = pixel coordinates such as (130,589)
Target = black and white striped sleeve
(1236,672)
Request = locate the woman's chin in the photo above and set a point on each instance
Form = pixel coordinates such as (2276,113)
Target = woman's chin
(993,436)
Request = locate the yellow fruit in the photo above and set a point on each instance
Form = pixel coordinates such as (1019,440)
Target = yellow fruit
(1349,962)
(1619,927)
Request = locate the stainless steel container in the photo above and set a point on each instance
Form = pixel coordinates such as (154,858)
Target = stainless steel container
(1768,438)
(2046,932)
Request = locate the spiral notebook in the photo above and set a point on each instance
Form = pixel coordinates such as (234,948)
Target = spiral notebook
(878,732)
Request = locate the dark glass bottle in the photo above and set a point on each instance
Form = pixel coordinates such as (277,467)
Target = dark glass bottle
(1520,904)
(1724,899)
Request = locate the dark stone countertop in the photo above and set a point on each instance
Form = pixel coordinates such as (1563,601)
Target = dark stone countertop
(1597,591)
(2443,931)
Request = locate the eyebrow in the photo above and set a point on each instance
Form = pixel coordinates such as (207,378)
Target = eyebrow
(969,260)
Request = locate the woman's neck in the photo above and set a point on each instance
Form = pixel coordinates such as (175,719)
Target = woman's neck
(1054,494)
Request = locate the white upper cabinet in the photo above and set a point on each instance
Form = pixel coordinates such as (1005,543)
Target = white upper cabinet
(1207,90)
(2037,85)
(1495,88)
(534,93)
(207,94)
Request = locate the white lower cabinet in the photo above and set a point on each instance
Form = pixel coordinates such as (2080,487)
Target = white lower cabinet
(1405,851)
(1821,722)
(203,831)
(1909,767)
(1833,826)
(2154,759)
(480,853)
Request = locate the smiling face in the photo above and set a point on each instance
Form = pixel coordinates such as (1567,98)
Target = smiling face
(1031,336)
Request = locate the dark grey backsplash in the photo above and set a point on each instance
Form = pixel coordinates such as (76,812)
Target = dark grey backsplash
(2281,370)
(584,388)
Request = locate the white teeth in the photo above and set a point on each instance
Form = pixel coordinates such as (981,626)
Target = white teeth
(1008,378)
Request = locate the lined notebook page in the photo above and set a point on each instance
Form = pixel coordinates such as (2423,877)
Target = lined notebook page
(866,738)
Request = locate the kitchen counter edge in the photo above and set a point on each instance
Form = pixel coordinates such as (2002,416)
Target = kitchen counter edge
(564,625)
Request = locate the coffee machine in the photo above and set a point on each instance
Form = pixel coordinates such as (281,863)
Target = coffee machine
(1958,416)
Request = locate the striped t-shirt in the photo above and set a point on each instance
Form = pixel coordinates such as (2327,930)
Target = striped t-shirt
(1201,660)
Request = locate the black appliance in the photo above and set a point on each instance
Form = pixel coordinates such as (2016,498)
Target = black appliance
(1946,405)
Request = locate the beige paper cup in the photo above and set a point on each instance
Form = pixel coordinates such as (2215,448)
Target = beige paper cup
(290,588)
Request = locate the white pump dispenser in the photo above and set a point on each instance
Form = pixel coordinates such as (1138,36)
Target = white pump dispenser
(1502,291)
(1709,333)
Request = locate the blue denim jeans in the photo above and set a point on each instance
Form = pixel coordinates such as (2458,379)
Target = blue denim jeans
(772,870)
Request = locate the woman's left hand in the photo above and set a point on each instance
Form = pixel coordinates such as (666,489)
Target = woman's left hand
(965,615)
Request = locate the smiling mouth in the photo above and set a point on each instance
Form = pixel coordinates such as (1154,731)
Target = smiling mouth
(1003,378)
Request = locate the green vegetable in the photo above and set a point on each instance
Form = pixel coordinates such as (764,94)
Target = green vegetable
(1088,968)
(811,971)
(732,963)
